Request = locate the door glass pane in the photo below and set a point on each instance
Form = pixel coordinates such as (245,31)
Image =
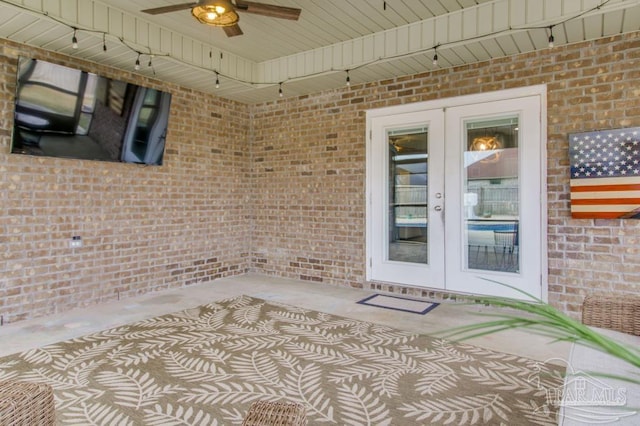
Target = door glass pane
(492,194)
(408,195)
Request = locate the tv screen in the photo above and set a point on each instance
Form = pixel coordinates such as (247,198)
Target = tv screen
(66,112)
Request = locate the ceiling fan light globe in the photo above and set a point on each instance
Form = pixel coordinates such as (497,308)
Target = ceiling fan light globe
(217,13)
(485,143)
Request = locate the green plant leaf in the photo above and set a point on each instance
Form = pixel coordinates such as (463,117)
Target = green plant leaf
(544,319)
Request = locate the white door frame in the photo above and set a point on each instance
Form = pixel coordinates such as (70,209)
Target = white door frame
(537,90)
(430,274)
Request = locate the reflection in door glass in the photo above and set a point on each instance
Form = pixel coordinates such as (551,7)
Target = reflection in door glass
(492,194)
(408,195)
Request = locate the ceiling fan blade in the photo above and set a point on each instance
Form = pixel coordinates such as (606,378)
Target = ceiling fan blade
(270,10)
(233,30)
(167,9)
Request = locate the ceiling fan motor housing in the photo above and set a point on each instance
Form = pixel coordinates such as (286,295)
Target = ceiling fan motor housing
(224,13)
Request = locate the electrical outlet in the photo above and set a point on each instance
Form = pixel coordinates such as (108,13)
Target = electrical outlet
(76,241)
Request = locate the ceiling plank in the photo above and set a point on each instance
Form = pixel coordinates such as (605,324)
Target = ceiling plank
(631,19)
(314,52)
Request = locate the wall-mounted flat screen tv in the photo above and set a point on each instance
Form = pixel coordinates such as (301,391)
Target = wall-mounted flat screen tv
(66,112)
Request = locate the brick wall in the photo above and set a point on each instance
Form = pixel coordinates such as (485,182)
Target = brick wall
(309,163)
(143,228)
(291,203)
(309,167)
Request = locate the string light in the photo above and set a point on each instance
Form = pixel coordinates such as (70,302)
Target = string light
(348,79)
(217,80)
(74,39)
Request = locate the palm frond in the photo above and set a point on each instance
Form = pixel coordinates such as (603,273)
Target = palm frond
(545,319)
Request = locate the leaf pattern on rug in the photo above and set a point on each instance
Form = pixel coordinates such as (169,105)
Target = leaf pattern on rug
(434,382)
(207,364)
(320,353)
(167,415)
(481,409)
(135,388)
(229,393)
(305,385)
(87,413)
(65,400)
(360,406)
(200,367)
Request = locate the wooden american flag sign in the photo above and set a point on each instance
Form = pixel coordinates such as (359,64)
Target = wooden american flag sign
(605,174)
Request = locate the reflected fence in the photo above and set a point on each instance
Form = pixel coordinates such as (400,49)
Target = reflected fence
(492,235)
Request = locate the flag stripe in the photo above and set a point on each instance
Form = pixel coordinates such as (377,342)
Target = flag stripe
(596,215)
(627,180)
(619,208)
(592,188)
(606,202)
(604,195)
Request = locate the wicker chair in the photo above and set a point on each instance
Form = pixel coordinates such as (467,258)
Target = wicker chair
(620,313)
(26,404)
(265,413)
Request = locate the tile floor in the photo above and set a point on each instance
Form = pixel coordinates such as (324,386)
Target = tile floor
(23,335)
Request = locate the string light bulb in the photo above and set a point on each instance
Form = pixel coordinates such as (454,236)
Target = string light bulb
(280,90)
(137,66)
(150,59)
(104,42)
(435,59)
(74,39)
(348,79)
(551,38)
(217,80)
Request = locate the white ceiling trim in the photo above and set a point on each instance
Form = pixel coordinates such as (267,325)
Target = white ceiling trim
(138,34)
(480,22)
(478,32)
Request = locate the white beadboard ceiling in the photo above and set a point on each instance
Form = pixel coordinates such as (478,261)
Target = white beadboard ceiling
(374,40)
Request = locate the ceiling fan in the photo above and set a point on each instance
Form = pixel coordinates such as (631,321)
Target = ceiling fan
(223,13)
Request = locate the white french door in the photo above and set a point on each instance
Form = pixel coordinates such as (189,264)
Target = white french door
(455,194)
(408,158)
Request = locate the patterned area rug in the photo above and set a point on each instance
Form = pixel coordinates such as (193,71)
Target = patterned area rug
(204,366)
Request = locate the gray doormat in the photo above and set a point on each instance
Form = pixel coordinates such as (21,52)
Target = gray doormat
(399,303)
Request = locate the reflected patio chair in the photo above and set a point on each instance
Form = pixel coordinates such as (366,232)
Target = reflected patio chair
(478,256)
(506,246)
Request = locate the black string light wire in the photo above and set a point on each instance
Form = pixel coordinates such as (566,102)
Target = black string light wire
(434,48)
